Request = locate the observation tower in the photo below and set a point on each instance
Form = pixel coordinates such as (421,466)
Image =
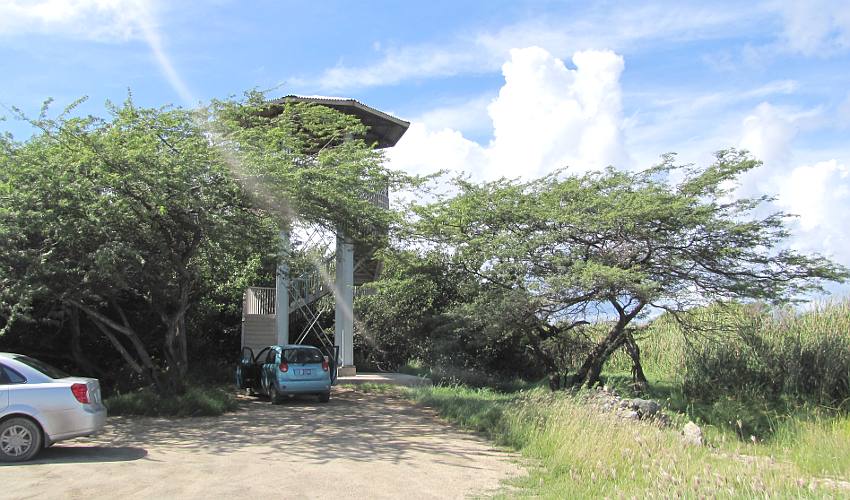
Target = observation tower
(267,312)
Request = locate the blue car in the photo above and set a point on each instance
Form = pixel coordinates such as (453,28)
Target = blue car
(279,371)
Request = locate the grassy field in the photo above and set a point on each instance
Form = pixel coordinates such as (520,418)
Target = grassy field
(578,452)
(748,370)
(769,388)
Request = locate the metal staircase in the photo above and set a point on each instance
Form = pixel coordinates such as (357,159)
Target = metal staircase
(305,300)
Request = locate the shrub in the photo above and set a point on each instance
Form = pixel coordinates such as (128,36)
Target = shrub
(196,401)
(781,353)
(450,376)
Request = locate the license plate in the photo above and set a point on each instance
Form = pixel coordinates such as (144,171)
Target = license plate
(306,372)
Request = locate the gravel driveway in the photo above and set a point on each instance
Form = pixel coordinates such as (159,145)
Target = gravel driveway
(356,446)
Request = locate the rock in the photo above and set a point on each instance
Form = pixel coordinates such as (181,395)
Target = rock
(662,420)
(692,434)
(647,408)
(629,415)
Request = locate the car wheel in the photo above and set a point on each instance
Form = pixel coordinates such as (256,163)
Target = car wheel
(274,396)
(324,397)
(20,440)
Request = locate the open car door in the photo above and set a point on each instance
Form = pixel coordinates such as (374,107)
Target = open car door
(246,369)
(332,352)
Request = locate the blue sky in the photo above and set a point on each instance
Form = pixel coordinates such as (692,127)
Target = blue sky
(492,88)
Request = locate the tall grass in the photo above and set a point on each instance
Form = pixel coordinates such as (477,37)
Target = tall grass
(818,446)
(775,353)
(777,379)
(580,453)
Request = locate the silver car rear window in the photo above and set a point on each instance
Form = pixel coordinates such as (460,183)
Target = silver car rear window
(10,376)
(41,367)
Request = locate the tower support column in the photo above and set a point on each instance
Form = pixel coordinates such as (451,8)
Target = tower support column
(281,305)
(344,305)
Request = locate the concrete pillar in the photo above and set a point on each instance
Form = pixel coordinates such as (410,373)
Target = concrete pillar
(344,304)
(281,305)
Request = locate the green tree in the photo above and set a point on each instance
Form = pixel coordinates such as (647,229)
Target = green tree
(133,219)
(616,244)
(400,312)
(121,219)
(309,164)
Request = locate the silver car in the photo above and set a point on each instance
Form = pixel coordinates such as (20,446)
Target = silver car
(40,405)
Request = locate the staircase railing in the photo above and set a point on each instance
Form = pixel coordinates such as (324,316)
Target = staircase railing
(312,285)
(259,300)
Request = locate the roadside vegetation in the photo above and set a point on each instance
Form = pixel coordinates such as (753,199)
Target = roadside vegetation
(771,400)
(754,368)
(195,401)
(574,448)
(127,241)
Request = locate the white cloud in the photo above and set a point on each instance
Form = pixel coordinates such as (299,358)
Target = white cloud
(396,66)
(767,133)
(694,124)
(468,116)
(423,150)
(101,20)
(819,195)
(483,51)
(546,116)
(815,27)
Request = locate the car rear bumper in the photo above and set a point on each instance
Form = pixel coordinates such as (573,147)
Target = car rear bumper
(303,386)
(85,421)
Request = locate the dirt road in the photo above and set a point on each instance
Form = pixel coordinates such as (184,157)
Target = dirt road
(356,446)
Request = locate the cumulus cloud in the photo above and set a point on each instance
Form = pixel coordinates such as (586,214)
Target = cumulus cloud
(424,151)
(819,195)
(767,133)
(101,20)
(546,116)
(468,116)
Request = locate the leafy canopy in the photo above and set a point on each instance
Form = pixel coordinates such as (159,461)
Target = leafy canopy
(579,244)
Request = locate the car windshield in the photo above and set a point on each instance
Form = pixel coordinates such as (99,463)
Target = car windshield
(303,356)
(41,367)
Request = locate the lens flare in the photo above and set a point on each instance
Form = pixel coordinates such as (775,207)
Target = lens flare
(269,199)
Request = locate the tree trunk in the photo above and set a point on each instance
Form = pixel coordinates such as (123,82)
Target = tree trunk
(588,373)
(82,362)
(638,378)
(144,366)
(176,370)
(176,350)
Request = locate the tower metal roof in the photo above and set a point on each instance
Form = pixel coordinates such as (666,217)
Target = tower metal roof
(384,130)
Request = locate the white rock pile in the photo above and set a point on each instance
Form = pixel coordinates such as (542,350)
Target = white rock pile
(607,400)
